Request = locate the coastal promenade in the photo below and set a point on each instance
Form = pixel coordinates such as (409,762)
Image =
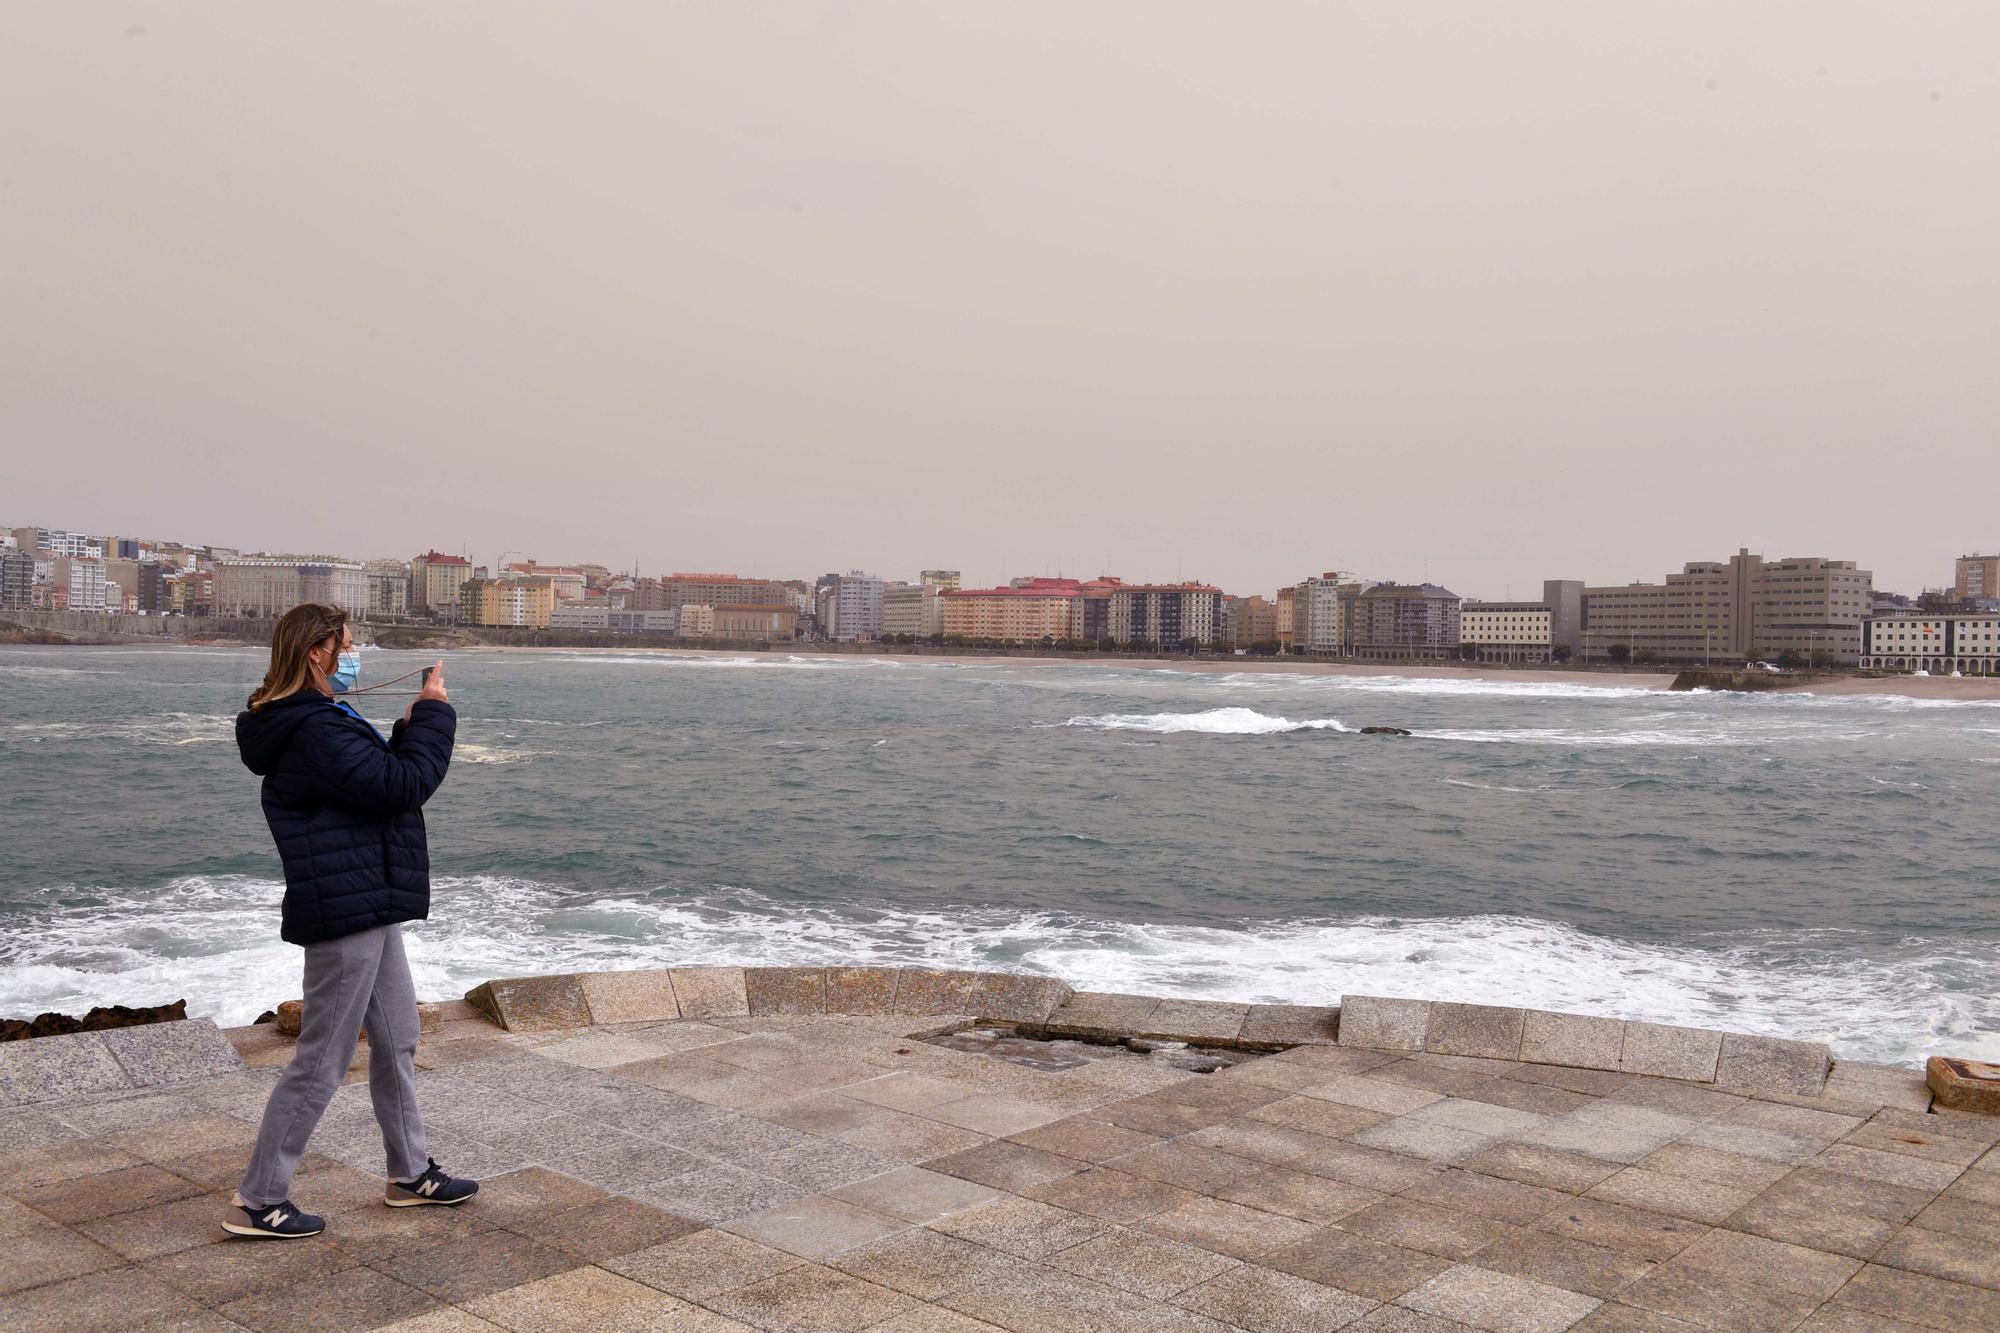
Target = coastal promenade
(904,1150)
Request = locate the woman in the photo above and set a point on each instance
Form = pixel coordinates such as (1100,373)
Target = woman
(345,807)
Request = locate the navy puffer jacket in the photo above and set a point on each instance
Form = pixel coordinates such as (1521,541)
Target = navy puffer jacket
(346,809)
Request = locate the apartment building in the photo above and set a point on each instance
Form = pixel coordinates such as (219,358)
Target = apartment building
(1405,622)
(435,580)
(522,603)
(154,591)
(1507,631)
(1168,614)
(1744,608)
(388,587)
(1976,576)
(1284,610)
(1940,645)
(17,579)
(569,581)
(1248,620)
(939,579)
(912,609)
(856,608)
(1323,612)
(263,587)
(1027,611)
(697,621)
(678,590)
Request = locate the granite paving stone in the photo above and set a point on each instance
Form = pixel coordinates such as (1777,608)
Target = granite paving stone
(581,1300)
(1021,1227)
(1572,1039)
(1774,1145)
(1333,1059)
(533,1004)
(1614,1225)
(816,1227)
(1140,1262)
(710,992)
(1916,1298)
(1422,1226)
(915,1093)
(1317,1117)
(1226,1228)
(140,1299)
(634,995)
(785,990)
(932,1319)
(594,1232)
(1477,1117)
(720,1193)
(1195,1021)
(1372,1094)
(70,1159)
(1299,1194)
(1005,1165)
(1486,1030)
(1709,1300)
(1101,1011)
(371,1234)
(1913,1134)
(1539,1098)
(112,1113)
(617,1161)
(598,1049)
(163,1228)
(516,1194)
(1872,1085)
(827,1164)
(1590,1082)
(1675,1195)
(1827,1211)
(1757,1259)
(1968,1259)
(703,1264)
(1710,1164)
(1489,1196)
(1023,1296)
(1887,1167)
(179,1052)
(992,1114)
(1772,1064)
(920,1262)
(1371,1168)
(860,990)
(1690,1101)
(812,1297)
(1559,1261)
(474,1266)
(915,1194)
(1551,1168)
(1670,1051)
(1382,1023)
(1959,1216)
(1357,1264)
(1192,1167)
(1262,1301)
(1259,1140)
(218,1274)
(1108,1194)
(24,1129)
(1427,1139)
(934,991)
(87,1198)
(1288,1024)
(353,1298)
(1017,997)
(1613,1131)
(1483,1299)
(52,1067)
(1084,1139)
(1272,1072)
(47,1253)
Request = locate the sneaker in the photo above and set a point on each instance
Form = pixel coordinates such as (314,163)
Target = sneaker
(433,1186)
(281,1221)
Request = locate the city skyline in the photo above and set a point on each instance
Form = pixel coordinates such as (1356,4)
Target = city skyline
(1572,291)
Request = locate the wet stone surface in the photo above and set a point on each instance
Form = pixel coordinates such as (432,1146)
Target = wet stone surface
(1055,1054)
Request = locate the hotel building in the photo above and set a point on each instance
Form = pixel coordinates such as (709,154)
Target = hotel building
(1027,612)
(1915,641)
(1745,608)
(1507,631)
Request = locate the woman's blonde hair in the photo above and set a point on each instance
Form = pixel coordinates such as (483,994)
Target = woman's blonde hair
(297,633)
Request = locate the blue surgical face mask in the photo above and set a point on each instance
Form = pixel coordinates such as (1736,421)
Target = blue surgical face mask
(346,673)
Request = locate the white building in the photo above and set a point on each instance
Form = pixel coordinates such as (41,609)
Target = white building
(1914,641)
(696,622)
(857,608)
(913,609)
(1508,631)
(1322,611)
(87,587)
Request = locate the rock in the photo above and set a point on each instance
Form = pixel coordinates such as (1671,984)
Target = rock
(288,1017)
(429,1017)
(1385,731)
(268,1016)
(100,1019)
(1964,1085)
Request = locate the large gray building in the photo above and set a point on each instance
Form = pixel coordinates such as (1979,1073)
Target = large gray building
(1404,622)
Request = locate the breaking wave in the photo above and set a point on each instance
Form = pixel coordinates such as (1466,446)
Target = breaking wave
(1211,722)
(213,940)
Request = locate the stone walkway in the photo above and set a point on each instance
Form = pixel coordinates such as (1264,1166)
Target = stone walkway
(816,1170)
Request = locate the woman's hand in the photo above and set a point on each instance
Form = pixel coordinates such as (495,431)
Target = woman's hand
(433,689)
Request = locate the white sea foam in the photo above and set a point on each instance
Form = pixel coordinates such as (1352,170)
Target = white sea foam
(1210,722)
(214,942)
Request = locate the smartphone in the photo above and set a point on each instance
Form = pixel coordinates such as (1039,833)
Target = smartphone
(425,679)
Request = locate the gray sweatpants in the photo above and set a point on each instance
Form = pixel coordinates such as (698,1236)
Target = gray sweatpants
(356,981)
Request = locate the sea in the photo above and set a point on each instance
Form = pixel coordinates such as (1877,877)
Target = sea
(1821,867)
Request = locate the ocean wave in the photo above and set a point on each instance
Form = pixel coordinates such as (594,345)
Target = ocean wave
(150,729)
(213,940)
(1561,736)
(789,661)
(1211,722)
(1463,687)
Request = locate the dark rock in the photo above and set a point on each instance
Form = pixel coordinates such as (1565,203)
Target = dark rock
(1385,731)
(100,1019)
(266,1017)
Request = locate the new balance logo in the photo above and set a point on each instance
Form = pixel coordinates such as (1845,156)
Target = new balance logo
(427,1187)
(276,1217)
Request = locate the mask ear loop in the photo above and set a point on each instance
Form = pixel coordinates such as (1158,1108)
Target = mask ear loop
(384,686)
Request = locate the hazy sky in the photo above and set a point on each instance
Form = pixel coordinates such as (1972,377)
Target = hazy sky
(1496,292)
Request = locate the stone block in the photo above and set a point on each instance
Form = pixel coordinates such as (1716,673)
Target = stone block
(160,1053)
(1195,1021)
(1102,1013)
(711,992)
(785,990)
(1489,1031)
(921,990)
(860,990)
(1964,1085)
(639,996)
(43,1068)
(1383,1023)
(1865,1084)
(1290,1025)
(533,1004)
(1666,1051)
(1580,1041)
(1013,997)
(1772,1064)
